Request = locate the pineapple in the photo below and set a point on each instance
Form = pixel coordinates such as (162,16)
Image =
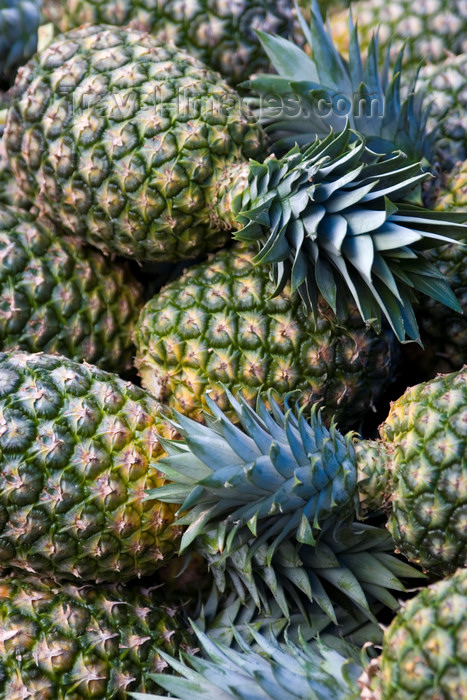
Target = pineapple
(58,296)
(424,653)
(275,499)
(79,448)
(19,23)
(82,642)
(221,34)
(431,28)
(423,656)
(166,182)
(219,326)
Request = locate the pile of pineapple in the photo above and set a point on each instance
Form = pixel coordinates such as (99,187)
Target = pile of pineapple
(230,235)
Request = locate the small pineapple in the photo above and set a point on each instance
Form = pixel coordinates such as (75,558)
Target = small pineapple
(271,504)
(83,642)
(219,326)
(60,296)
(79,447)
(221,34)
(19,24)
(168,181)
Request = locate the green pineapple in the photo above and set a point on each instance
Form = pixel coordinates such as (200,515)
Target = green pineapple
(79,447)
(423,657)
(85,141)
(221,34)
(424,654)
(219,326)
(82,642)
(275,499)
(431,28)
(19,23)
(59,296)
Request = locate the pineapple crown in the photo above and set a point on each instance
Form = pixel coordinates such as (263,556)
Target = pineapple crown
(281,472)
(272,508)
(326,90)
(268,669)
(334,224)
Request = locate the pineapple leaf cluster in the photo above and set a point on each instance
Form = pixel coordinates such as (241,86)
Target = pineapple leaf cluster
(337,225)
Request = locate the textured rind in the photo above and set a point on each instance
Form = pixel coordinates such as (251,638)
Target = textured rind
(427,430)
(89,642)
(19,22)
(424,649)
(78,450)
(59,296)
(445,85)
(219,33)
(431,27)
(124,142)
(217,326)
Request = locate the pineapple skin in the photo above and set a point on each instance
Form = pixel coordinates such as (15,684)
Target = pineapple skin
(218,326)
(82,642)
(426,432)
(126,142)
(424,652)
(78,451)
(445,88)
(61,297)
(220,34)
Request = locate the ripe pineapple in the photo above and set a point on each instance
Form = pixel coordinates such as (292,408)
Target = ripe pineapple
(79,448)
(220,34)
(271,504)
(135,178)
(431,27)
(82,642)
(84,139)
(219,326)
(59,296)
(19,23)
(423,656)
